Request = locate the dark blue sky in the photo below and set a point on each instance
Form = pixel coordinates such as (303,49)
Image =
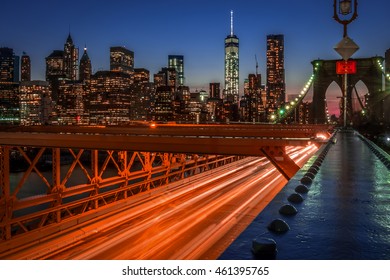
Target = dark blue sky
(193,28)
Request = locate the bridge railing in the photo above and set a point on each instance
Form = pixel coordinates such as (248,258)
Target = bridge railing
(43,187)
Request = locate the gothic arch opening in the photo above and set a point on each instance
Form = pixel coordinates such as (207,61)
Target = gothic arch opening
(359,91)
(332,96)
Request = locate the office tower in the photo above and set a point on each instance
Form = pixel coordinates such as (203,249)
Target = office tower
(16,69)
(110,98)
(85,67)
(231,66)
(55,71)
(276,87)
(7,65)
(159,79)
(25,68)
(71,103)
(142,92)
(55,65)
(163,106)
(35,102)
(9,103)
(9,87)
(121,60)
(167,77)
(252,105)
(71,58)
(177,62)
(215,90)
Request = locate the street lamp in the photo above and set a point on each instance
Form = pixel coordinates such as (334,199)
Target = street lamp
(345,8)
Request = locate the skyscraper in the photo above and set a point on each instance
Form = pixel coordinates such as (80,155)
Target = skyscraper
(121,60)
(276,87)
(71,58)
(9,89)
(55,71)
(7,65)
(231,65)
(215,91)
(35,102)
(85,67)
(177,62)
(25,68)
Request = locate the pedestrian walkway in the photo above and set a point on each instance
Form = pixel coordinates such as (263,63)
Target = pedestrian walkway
(344,215)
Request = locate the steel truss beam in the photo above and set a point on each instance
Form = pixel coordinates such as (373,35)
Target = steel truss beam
(110,177)
(278,157)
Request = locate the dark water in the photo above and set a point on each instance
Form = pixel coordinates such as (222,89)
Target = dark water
(345,214)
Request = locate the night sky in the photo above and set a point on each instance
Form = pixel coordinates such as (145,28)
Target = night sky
(193,28)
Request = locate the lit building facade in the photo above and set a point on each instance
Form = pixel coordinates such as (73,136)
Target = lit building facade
(9,66)
(25,68)
(9,87)
(215,90)
(231,92)
(55,71)
(252,107)
(9,105)
(142,91)
(215,110)
(121,60)
(85,70)
(177,62)
(276,86)
(110,98)
(167,77)
(163,105)
(71,104)
(71,58)
(35,103)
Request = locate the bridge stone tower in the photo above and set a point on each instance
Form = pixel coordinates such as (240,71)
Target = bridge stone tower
(367,71)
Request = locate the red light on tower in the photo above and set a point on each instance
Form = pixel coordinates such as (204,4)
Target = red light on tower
(346,67)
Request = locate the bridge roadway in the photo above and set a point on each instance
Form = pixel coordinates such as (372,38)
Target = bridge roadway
(345,214)
(193,220)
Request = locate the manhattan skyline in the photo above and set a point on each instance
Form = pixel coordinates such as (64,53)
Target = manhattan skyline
(154,30)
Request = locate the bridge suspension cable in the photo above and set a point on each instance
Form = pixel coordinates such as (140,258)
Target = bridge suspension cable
(386,75)
(288,108)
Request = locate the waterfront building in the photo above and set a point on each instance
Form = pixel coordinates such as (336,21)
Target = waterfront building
(35,103)
(276,86)
(9,105)
(231,92)
(25,68)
